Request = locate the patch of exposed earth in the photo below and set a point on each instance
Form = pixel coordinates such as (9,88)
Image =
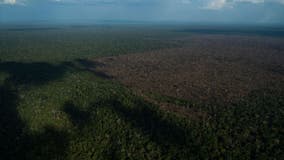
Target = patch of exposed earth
(208,70)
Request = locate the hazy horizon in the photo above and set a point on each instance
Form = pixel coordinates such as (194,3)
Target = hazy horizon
(244,12)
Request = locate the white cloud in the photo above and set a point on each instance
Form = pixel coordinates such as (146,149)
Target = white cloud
(261,1)
(11,2)
(216,4)
(219,4)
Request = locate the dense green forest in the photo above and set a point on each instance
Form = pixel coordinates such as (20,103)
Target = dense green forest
(53,107)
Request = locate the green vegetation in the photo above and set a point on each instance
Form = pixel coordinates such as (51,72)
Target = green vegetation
(53,107)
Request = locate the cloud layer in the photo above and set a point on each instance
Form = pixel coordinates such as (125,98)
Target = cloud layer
(11,2)
(213,11)
(205,4)
(219,4)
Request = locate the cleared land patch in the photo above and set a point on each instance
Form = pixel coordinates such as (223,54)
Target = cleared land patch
(209,69)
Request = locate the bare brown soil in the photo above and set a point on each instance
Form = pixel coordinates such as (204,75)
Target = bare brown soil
(208,69)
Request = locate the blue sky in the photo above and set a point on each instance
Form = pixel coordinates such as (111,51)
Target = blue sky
(90,11)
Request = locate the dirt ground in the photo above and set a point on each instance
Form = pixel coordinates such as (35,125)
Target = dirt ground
(208,69)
